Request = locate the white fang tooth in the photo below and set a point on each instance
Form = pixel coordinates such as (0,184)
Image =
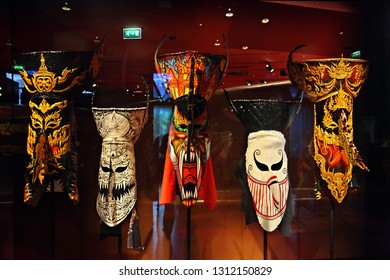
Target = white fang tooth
(181,157)
(198,166)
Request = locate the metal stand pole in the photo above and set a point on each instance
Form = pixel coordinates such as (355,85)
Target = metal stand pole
(120,242)
(331,232)
(188,233)
(265,249)
(52,220)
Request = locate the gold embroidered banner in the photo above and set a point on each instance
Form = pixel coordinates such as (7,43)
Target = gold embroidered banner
(332,84)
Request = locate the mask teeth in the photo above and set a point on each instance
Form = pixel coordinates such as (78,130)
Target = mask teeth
(181,160)
(197,166)
(103,186)
(189,194)
(120,186)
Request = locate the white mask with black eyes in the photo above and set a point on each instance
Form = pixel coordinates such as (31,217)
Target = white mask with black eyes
(267,174)
(119,129)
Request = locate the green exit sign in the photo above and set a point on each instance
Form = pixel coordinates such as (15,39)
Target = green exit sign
(18,67)
(355,54)
(132,33)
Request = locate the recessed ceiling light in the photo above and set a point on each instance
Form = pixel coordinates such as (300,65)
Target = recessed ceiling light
(229,13)
(217,43)
(66,7)
(265,20)
(244,47)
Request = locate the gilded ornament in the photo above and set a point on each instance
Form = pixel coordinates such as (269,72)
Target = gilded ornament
(332,84)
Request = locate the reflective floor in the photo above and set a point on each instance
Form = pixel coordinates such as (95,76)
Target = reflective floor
(219,234)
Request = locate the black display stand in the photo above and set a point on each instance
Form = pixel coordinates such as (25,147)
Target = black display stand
(188,233)
(120,243)
(265,243)
(331,230)
(52,220)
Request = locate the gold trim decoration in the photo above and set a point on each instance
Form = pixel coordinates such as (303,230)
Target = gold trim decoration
(44,81)
(321,78)
(332,84)
(191,72)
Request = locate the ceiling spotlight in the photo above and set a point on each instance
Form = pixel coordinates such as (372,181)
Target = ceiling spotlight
(269,67)
(265,20)
(66,7)
(217,43)
(244,47)
(229,13)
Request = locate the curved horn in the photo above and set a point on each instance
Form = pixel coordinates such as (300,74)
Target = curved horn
(155,53)
(147,100)
(230,102)
(225,42)
(290,63)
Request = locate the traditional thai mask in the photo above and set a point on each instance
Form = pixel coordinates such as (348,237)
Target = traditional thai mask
(191,79)
(332,84)
(49,144)
(120,129)
(266,166)
(51,77)
(189,147)
(267,196)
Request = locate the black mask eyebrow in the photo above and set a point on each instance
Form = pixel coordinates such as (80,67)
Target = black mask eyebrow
(277,166)
(263,167)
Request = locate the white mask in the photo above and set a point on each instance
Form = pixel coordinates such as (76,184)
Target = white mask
(267,174)
(120,129)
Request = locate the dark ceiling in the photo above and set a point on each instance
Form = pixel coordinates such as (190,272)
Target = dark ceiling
(328,28)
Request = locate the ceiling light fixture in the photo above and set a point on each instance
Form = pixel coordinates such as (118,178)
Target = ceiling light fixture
(66,7)
(229,13)
(244,47)
(269,67)
(217,43)
(265,20)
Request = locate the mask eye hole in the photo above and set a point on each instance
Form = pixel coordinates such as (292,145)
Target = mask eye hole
(106,169)
(120,169)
